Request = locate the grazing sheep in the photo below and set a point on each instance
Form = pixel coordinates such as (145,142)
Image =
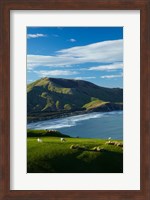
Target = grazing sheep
(78,147)
(39,140)
(74,146)
(99,149)
(94,149)
(50,131)
(120,145)
(62,139)
(110,143)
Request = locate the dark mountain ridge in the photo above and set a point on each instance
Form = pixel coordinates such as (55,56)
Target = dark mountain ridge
(48,95)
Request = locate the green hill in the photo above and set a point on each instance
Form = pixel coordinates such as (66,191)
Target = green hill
(56,95)
(74,155)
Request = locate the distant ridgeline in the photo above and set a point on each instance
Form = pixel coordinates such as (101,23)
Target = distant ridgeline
(54,96)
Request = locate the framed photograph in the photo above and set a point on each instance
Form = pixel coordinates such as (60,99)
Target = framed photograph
(69,114)
(74,99)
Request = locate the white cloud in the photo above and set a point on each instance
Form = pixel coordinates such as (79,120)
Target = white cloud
(84,77)
(72,40)
(101,52)
(113,66)
(44,73)
(112,76)
(37,35)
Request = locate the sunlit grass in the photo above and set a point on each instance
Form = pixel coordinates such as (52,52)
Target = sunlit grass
(52,155)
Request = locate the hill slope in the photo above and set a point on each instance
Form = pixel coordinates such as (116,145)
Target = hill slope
(58,95)
(54,156)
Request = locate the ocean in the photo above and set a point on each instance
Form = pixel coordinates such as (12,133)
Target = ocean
(91,125)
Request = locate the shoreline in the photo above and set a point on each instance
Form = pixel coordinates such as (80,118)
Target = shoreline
(56,116)
(62,115)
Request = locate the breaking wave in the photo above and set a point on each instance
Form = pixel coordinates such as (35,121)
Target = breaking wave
(68,121)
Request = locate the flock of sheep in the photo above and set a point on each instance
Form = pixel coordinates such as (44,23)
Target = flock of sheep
(51,131)
(61,139)
(109,142)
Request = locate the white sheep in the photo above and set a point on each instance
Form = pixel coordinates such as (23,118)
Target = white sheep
(39,140)
(62,139)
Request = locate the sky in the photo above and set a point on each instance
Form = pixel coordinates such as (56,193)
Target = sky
(93,54)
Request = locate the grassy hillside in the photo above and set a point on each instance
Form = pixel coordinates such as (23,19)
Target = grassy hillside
(45,133)
(75,155)
(59,95)
(93,104)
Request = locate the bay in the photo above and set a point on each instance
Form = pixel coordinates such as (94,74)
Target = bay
(91,125)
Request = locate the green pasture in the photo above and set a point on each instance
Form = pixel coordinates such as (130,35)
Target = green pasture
(54,156)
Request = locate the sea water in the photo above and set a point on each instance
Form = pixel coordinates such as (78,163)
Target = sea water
(91,125)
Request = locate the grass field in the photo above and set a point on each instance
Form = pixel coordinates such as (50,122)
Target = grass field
(54,156)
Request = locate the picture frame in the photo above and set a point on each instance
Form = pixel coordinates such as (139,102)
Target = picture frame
(5,7)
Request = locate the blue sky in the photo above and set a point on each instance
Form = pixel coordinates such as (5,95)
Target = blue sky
(94,54)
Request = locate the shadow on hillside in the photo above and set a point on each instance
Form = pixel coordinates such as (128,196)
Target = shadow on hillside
(79,162)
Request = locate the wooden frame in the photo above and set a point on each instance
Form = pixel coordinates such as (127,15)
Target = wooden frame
(5,7)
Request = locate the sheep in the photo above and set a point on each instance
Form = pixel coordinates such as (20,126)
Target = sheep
(110,143)
(120,145)
(39,140)
(74,147)
(50,131)
(109,139)
(78,147)
(94,149)
(62,139)
(99,149)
